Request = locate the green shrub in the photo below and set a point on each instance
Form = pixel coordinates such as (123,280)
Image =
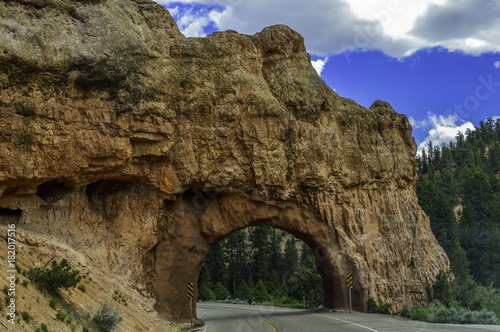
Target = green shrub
(443,288)
(82,288)
(486,298)
(106,316)
(59,275)
(408,311)
(53,303)
(42,328)
(7,300)
(288,302)
(26,316)
(61,315)
(436,312)
(25,283)
(259,293)
(383,308)
(421,315)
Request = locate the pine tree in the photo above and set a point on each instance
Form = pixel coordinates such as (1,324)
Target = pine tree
(243,292)
(276,256)
(205,292)
(260,246)
(260,293)
(215,264)
(237,259)
(274,285)
(306,281)
(290,259)
(220,291)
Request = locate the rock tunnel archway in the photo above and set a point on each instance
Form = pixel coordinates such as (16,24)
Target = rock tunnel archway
(202,219)
(100,153)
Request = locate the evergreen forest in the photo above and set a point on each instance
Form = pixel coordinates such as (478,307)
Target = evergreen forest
(261,264)
(459,189)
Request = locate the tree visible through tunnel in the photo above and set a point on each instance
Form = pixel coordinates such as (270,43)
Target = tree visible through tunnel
(261,264)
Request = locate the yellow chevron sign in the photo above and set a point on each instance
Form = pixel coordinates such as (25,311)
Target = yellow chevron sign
(349,280)
(190,288)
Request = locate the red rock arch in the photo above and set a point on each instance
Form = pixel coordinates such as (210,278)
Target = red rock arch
(198,221)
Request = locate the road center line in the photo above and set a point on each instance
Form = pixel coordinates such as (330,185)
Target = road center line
(268,322)
(345,321)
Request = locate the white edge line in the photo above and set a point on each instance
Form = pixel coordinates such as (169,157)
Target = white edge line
(345,321)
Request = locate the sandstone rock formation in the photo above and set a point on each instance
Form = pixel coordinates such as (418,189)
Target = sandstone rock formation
(142,148)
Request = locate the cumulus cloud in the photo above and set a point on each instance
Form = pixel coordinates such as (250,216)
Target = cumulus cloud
(443,128)
(319,65)
(471,26)
(194,19)
(398,28)
(496,64)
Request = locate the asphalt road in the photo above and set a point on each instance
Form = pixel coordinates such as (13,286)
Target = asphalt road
(250,318)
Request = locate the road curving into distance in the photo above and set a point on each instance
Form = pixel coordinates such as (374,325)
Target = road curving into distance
(222,317)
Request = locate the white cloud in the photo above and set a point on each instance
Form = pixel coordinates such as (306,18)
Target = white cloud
(466,25)
(496,64)
(319,65)
(174,11)
(219,17)
(192,25)
(418,124)
(397,27)
(194,19)
(443,129)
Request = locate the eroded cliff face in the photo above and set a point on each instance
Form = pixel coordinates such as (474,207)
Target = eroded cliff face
(142,148)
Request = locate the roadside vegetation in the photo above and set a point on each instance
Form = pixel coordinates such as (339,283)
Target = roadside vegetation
(60,275)
(46,298)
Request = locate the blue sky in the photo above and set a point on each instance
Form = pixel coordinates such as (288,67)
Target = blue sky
(437,61)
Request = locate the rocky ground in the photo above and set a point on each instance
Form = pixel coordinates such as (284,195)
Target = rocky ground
(76,304)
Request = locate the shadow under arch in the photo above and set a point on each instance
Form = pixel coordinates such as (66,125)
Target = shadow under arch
(201,219)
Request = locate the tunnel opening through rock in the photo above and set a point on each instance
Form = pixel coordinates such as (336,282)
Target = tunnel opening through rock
(193,230)
(263,264)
